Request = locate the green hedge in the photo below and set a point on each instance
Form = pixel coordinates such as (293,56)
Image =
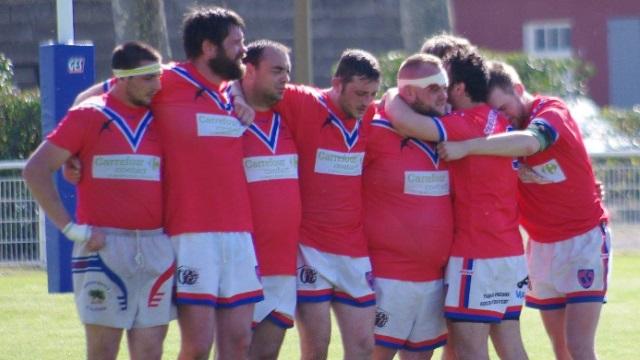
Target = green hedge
(20,128)
(559,77)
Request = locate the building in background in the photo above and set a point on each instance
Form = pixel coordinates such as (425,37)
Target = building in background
(376,26)
(605,34)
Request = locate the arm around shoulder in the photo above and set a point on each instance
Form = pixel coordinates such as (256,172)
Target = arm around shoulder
(511,144)
(406,121)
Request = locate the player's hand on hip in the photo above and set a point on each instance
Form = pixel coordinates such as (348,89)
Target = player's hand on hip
(97,240)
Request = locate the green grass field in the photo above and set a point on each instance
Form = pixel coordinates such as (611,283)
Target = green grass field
(37,325)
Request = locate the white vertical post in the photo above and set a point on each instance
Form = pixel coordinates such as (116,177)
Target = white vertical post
(64,16)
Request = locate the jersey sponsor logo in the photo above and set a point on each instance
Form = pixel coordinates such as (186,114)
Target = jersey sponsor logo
(126,167)
(546,173)
(271,140)
(276,167)
(382,318)
(585,277)
(338,163)
(307,275)
(218,125)
(426,183)
(187,275)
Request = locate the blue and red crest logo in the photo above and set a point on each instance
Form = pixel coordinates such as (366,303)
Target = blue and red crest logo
(585,277)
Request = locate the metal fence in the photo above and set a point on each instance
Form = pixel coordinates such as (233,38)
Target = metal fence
(22,233)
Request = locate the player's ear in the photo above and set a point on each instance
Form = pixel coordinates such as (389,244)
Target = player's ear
(209,49)
(518,89)
(336,84)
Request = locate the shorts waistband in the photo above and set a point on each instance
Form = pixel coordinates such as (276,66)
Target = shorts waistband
(130,232)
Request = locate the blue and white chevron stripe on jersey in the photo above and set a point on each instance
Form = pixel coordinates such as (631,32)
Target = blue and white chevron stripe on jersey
(223,105)
(271,141)
(133,137)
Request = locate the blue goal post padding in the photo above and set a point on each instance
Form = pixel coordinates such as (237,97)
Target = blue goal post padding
(65,71)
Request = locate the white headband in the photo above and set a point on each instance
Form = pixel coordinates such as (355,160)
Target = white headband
(440,79)
(153,68)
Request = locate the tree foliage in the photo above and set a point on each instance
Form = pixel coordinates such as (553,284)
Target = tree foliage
(20,128)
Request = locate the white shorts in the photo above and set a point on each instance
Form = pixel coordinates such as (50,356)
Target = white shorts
(216,269)
(410,315)
(128,283)
(279,304)
(485,290)
(329,277)
(570,271)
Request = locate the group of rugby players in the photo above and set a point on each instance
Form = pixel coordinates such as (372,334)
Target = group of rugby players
(216,188)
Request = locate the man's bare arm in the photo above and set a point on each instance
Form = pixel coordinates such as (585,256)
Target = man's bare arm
(38,172)
(407,122)
(511,144)
(94,90)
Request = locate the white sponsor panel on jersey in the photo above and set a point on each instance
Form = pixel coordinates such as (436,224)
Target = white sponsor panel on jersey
(219,125)
(550,172)
(126,167)
(275,167)
(339,163)
(426,183)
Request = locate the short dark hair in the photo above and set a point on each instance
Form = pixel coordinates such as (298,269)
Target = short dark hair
(469,67)
(130,54)
(207,23)
(444,44)
(356,62)
(419,59)
(503,76)
(256,48)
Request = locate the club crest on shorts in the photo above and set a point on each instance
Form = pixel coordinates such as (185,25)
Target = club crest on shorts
(382,318)
(187,275)
(97,293)
(308,275)
(370,278)
(585,277)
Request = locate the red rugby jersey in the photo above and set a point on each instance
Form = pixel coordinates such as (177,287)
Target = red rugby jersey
(119,148)
(271,168)
(560,201)
(484,189)
(331,151)
(408,217)
(205,186)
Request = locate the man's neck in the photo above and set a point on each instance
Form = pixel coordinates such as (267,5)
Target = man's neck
(119,92)
(253,98)
(527,100)
(204,69)
(466,103)
(334,97)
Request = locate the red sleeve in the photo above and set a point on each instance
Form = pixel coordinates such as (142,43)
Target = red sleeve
(70,134)
(296,104)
